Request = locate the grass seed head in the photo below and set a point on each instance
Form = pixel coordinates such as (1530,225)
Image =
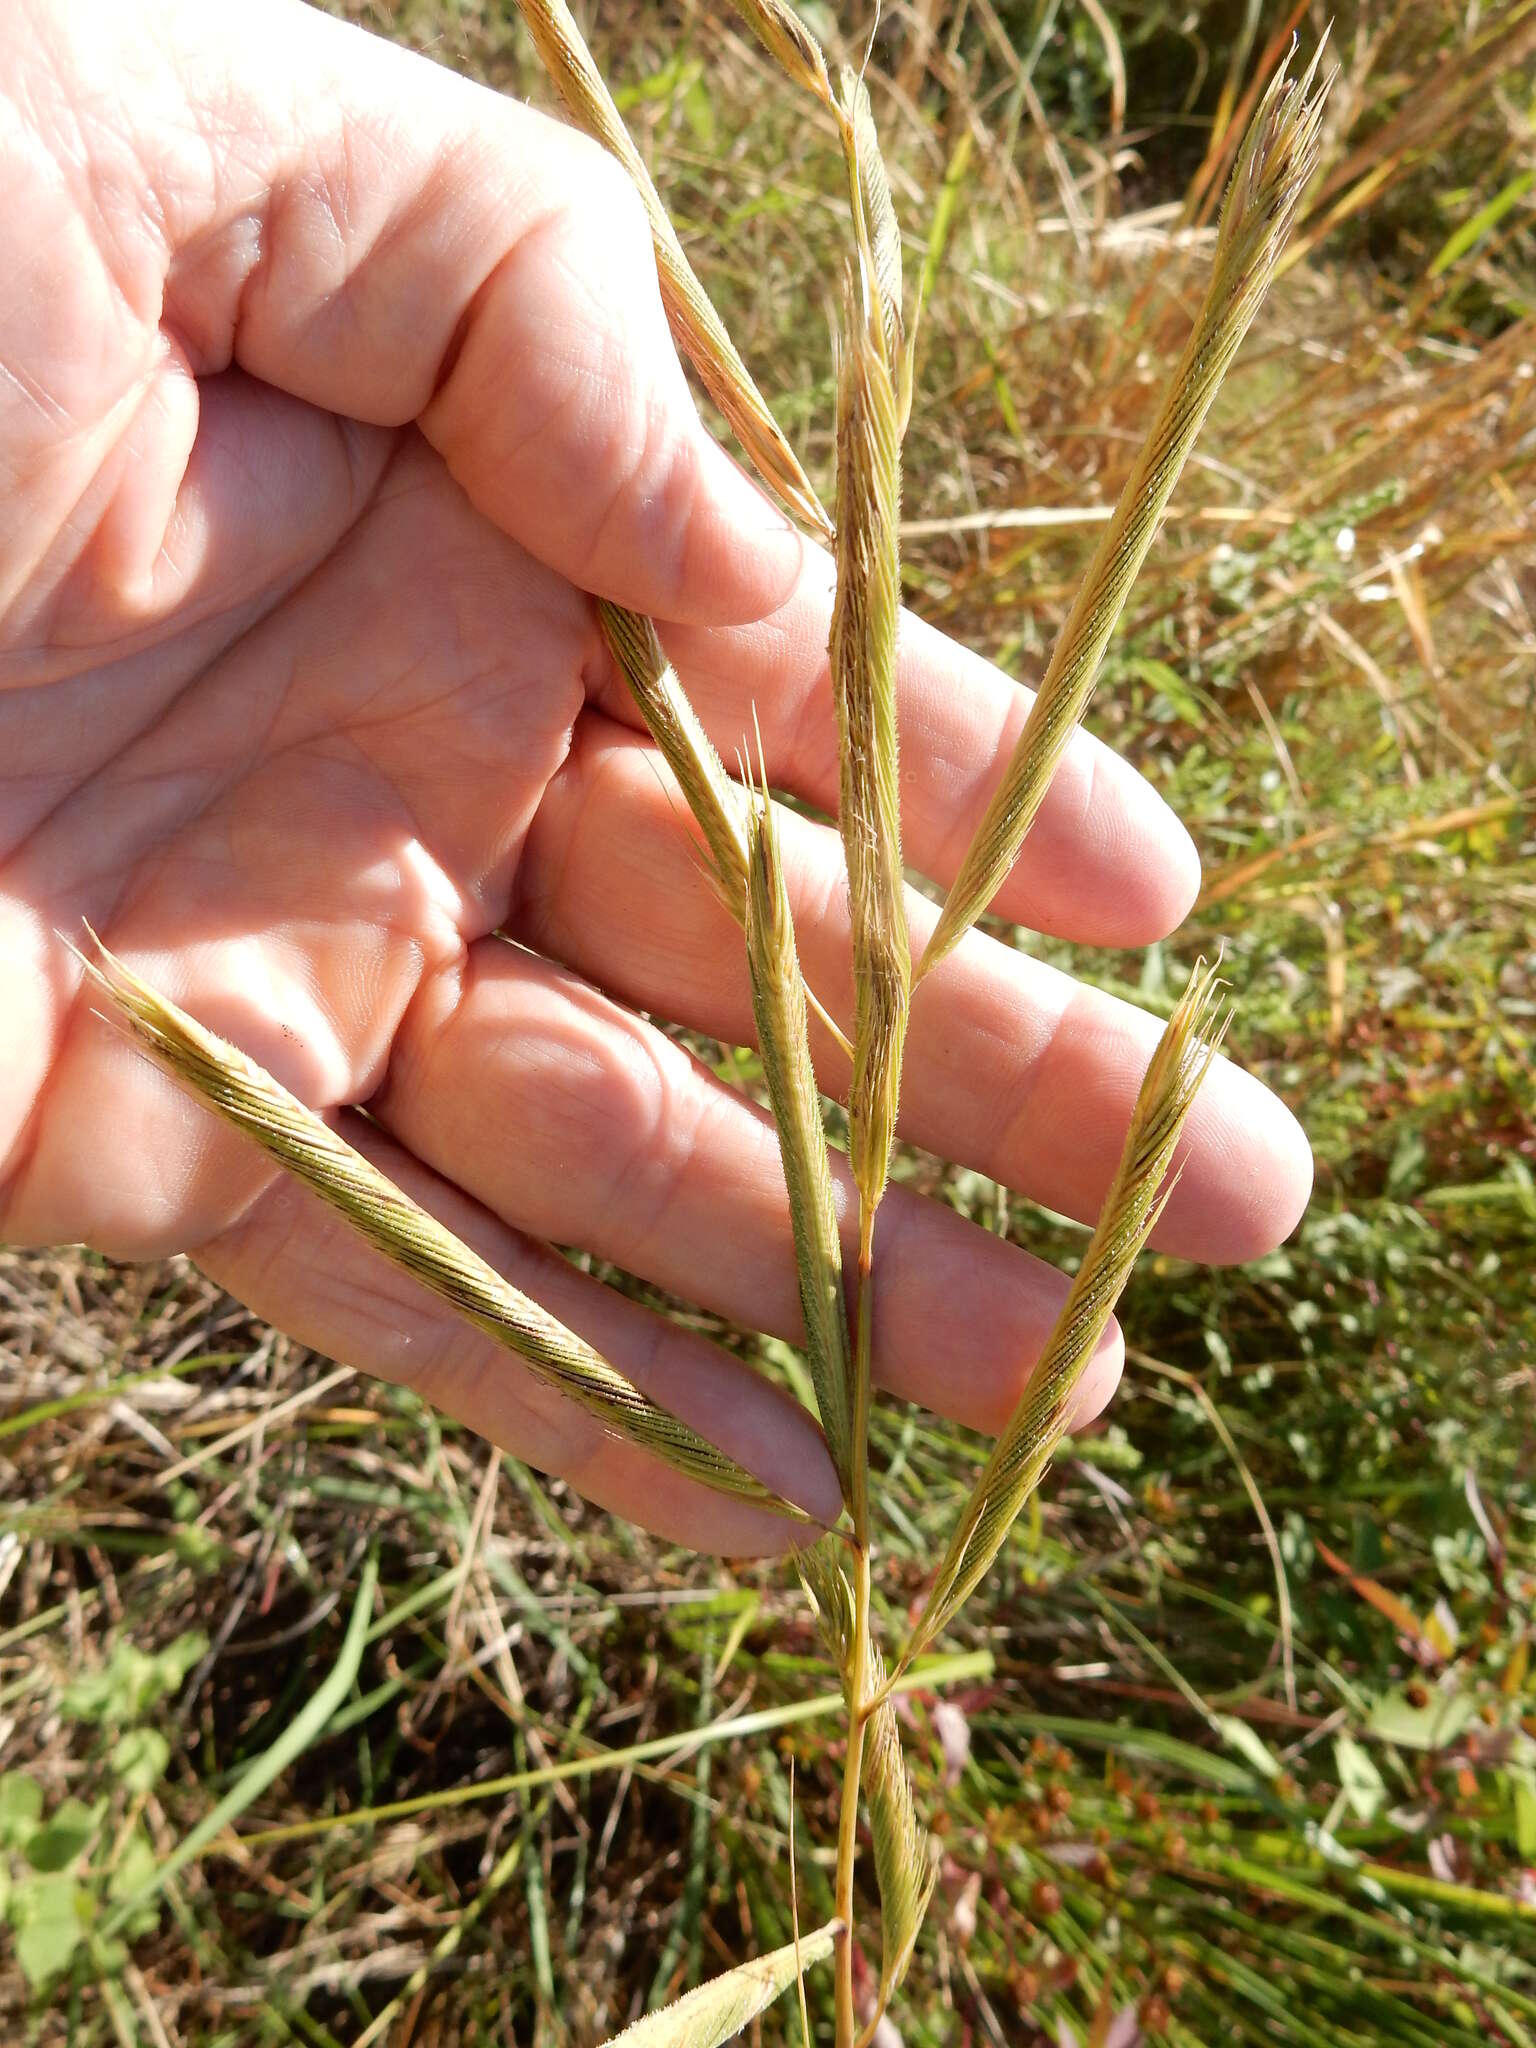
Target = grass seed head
(245,1096)
(779,1008)
(1273,170)
(1135,1200)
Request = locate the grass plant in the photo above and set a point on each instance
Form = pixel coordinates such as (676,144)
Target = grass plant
(1273,1780)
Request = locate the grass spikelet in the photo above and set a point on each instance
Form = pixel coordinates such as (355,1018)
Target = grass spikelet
(904,1869)
(1274,167)
(874,215)
(1135,1200)
(247,1097)
(863,660)
(785,36)
(715,2012)
(716,801)
(696,326)
(779,1007)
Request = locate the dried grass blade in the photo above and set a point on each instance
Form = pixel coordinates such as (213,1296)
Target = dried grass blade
(1132,1206)
(1274,167)
(779,1007)
(247,1097)
(718,2010)
(716,801)
(696,326)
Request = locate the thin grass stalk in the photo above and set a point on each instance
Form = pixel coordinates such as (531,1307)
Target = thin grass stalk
(904,1867)
(1274,168)
(245,1096)
(1131,1208)
(779,1008)
(696,326)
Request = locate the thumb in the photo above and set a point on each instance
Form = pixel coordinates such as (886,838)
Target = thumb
(358,227)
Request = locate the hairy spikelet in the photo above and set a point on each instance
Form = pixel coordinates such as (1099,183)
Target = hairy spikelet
(247,1097)
(696,326)
(715,2012)
(1131,1208)
(1273,170)
(904,1866)
(716,801)
(785,36)
(820,1566)
(779,1007)
(874,214)
(863,658)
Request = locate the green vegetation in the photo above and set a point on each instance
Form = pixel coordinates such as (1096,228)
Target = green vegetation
(1237,1742)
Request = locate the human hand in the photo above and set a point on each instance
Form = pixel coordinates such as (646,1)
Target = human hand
(329,384)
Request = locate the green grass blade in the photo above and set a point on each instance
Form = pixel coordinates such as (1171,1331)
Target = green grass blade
(305,1727)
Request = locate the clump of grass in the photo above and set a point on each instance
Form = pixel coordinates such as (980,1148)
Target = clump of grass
(874,386)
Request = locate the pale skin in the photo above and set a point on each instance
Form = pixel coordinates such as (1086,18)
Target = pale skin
(331,387)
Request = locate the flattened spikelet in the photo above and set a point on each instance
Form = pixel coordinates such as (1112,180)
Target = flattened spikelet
(247,1097)
(1273,170)
(696,326)
(1131,1208)
(781,31)
(863,658)
(717,2011)
(904,1865)
(779,1007)
(715,801)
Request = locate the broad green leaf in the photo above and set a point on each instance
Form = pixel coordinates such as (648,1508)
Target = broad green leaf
(1359,1780)
(715,2011)
(132,1682)
(21,1805)
(49,1916)
(65,1836)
